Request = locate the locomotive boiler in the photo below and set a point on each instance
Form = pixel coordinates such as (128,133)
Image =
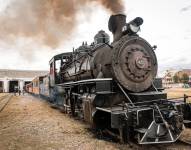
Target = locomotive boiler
(113,86)
(129,59)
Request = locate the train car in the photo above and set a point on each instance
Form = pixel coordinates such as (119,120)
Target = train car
(113,87)
(36,85)
(44,87)
(28,88)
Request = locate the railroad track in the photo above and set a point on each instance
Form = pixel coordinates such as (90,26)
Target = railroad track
(4,100)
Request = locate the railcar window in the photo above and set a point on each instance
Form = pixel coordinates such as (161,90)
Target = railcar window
(57,66)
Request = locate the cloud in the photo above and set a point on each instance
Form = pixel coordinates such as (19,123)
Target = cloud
(187,8)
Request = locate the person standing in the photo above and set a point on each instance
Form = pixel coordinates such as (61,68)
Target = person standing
(15,91)
(23,92)
(19,92)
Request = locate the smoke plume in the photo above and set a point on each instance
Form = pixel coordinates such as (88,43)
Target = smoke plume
(114,6)
(48,21)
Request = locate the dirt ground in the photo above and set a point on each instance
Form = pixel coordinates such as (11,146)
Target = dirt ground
(2,94)
(178,92)
(29,123)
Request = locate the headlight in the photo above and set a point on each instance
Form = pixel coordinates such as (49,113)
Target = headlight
(134,28)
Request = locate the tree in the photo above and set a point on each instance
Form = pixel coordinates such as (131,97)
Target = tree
(176,78)
(185,78)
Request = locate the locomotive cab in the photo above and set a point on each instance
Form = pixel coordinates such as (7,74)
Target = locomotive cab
(56,64)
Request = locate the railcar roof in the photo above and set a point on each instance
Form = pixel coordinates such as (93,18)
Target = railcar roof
(59,56)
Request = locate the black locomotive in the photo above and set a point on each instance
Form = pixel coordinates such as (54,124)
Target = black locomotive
(114,88)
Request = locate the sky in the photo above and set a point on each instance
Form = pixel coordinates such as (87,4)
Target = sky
(167,24)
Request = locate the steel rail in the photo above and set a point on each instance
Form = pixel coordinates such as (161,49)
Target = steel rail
(4,100)
(3,96)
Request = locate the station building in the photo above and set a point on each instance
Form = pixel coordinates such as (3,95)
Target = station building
(11,79)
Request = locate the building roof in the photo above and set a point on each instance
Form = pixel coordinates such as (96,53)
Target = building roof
(170,73)
(21,73)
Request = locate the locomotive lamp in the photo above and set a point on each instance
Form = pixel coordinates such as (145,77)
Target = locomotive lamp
(133,26)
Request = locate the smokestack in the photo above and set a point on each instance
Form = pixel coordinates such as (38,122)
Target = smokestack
(115,25)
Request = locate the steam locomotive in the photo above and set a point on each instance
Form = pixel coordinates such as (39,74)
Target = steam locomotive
(113,87)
